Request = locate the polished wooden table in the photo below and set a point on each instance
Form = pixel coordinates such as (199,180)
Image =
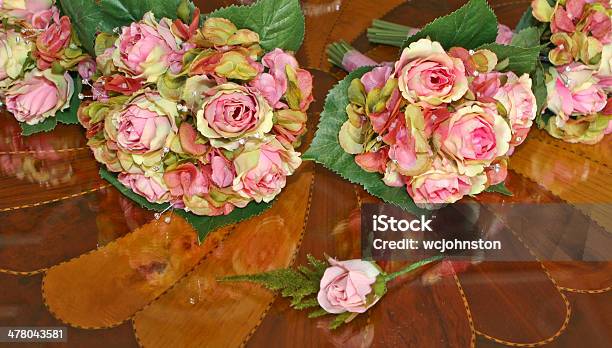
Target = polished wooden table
(74,252)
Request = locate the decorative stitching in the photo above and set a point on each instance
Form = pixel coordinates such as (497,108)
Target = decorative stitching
(32,205)
(23,273)
(294,257)
(586,291)
(468,311)
(44,295)
(35,152)
(568,308)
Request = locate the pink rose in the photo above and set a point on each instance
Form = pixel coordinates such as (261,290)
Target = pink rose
(87,68)
(262,169)
(346,285)
(273,84)
(141,130)
(504,34)
(186,179)
(486,86)
(520,103)
(42,19)
(50,44)
(233,111)
(426,73)
(39,95)
(442,184)
(276,61)
(474,136)
(304,85)
(151,188)
(573,90)
(24,9)
(376,78)
(408,148)
(271,89)
(147,49)
(223,172)
(434,117)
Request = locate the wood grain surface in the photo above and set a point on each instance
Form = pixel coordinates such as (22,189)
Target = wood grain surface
(74,252)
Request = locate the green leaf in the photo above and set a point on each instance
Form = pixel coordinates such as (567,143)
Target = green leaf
(317,313)
(521,60)
(202,224)
(279,23)
(298,284)
(380,287)
(539,87)
(325,149)
(528,37)
(501,189)
(91,16)
(471,26)
(340,319)
(527,20)
(309,303)
(69,116)
(45,126)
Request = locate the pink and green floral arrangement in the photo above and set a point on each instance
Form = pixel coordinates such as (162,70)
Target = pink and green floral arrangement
(200,115)
(40,56)
(576,41)
(438,124)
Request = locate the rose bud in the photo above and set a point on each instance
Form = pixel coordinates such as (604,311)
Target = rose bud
(262,169)
(39,95)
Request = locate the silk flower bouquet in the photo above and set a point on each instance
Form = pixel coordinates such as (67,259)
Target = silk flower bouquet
(438,124)
(575,37)
(41,65)
(200,115)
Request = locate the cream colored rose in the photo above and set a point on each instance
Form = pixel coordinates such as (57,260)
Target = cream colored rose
(427,74)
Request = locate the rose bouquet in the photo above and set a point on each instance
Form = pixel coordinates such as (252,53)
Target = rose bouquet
(576,41)
(39,58)
(343,289)
(204,119)
(436,125)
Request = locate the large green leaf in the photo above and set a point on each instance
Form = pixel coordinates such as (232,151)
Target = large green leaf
(45,126)
(528,37)
(501,189)
(539,87)
(68,116)
(521,60)
(471,26)
(92,16)
(325,149)
(279,23)
(527,20)
(202,224)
